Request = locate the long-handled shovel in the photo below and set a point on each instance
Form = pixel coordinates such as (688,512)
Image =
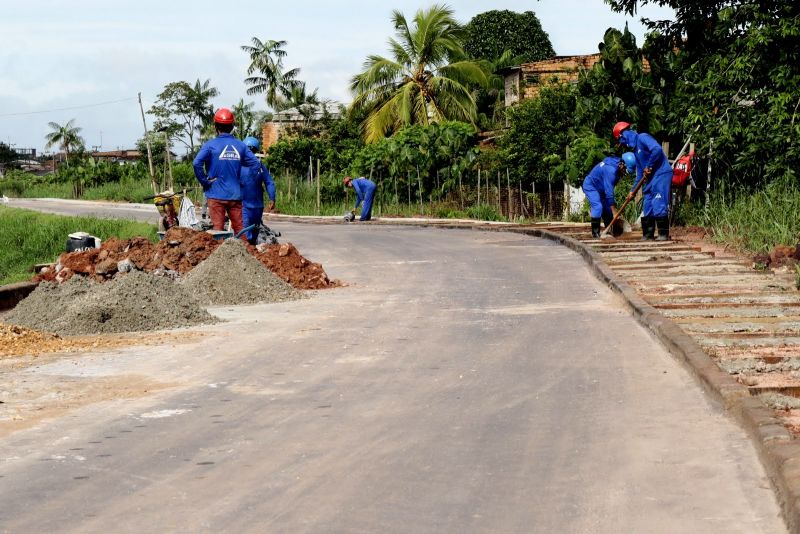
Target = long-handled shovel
(624,205)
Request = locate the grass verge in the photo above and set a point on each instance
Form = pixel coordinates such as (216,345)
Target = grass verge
(29,237)
(752,221)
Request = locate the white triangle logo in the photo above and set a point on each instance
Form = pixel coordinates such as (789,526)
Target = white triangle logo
(230,153)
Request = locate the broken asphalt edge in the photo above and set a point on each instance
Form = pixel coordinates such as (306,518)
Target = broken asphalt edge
(778,452)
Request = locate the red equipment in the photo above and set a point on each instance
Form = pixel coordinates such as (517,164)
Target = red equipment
(682,170)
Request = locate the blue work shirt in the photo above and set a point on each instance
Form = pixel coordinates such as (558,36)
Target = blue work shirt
(648,153)
(604,177)
(255,180)
(365,189)
(223,158)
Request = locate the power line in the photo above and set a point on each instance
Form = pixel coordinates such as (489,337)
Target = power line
(67,109)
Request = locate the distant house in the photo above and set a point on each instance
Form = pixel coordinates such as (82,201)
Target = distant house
(526,80)
(298,117)
(122,157)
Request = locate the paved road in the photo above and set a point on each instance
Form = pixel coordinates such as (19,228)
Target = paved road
(464,382)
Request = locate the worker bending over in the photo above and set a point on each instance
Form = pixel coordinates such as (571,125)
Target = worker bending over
(365,192)
(652,167)
(599,184)
(218,168)
(255,180)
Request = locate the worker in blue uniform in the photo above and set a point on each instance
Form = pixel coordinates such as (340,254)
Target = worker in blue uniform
(255,180)
(365,192)
(653,167)
(599,184)
(218,168)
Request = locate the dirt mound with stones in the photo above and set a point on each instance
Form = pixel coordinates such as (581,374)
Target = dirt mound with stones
(779,256)
(181,250)
(287,263)
(134,302)
(232,275)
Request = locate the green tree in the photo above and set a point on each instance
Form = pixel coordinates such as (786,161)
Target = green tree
(489,35)
(180,110)
(539,131)
(245,119)
(66,136)
(7,154)
(618,88)
(265,73)
(426,80)
(736,81)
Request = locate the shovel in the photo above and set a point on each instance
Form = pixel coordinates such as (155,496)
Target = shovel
(622,208)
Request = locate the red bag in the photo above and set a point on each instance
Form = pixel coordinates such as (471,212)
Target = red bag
(682,170)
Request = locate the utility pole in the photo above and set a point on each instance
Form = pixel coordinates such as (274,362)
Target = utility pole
(149,152)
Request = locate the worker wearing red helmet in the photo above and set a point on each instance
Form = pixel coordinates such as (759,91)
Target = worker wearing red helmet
(218,168)
(652,167)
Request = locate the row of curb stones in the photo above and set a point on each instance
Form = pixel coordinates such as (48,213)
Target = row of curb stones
(779,453)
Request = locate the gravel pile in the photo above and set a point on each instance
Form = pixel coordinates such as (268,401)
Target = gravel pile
(231,275)
(133,302)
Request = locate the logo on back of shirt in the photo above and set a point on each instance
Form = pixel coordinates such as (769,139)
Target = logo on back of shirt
(230,153)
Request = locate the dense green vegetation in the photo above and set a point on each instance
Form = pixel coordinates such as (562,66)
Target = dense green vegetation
(29,238)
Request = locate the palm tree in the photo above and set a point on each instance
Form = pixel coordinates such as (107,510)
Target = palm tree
(296,97)
(66,136)
(266,70)
(203,93)
(426,80)
(245,118)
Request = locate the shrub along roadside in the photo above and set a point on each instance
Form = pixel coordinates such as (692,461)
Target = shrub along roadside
(29,237)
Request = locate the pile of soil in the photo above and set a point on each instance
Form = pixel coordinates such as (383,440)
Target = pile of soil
(232,275)
(133,302)
(287,263)
(780,256)
(181,250)
(20,341)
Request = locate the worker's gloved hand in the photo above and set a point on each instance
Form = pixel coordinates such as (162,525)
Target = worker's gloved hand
(647,173)
(271,206)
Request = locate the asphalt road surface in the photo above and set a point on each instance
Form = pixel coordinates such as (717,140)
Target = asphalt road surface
(463,382)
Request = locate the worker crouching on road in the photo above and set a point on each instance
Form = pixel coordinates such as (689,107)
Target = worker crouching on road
(255,180)
(365,192)
(218,168)
(599,184)
(652,167)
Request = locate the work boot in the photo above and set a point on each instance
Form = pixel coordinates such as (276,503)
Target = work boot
(595,227)
(663,228)
(648,228)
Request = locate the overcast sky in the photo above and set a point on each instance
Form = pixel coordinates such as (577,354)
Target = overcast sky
(63,54)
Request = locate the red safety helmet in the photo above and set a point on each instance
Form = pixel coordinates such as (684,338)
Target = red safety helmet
(223,116)
(619,128)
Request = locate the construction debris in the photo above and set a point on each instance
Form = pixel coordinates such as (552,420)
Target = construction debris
(181,250)
(286,262)
(133,302)
(231,275)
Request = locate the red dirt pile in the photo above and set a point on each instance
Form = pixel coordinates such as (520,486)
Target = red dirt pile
(288,264)
(781,255)
(180,251)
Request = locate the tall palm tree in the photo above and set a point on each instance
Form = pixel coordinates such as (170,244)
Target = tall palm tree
(265,73)
(66,136)
(426,80)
